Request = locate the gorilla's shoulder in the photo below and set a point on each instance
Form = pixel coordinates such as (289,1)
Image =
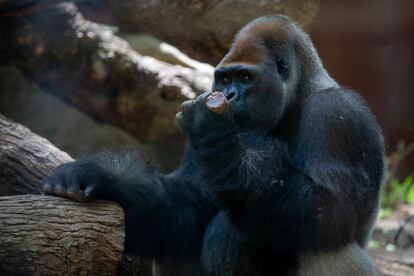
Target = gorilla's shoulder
(338,102)
(338,119)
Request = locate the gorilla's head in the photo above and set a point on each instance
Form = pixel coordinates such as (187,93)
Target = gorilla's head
(271,66)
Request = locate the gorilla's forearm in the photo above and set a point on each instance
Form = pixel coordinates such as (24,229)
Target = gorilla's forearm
(164,215)
(128,180)
(154,205)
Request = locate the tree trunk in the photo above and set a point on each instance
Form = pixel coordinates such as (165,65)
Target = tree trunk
(25,159)
(203,29)
(44,235)
(86,65)
(398,262)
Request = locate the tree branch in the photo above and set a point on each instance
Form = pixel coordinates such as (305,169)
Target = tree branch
(25,159)
(49,235)
(43,235)
(86,65)
(203,29)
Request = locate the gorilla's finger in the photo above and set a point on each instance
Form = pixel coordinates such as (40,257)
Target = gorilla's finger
(180,121)
(47,188)
(202,97)
(89,192)
(187,108)
(59,190)
(72,183)
(73,189)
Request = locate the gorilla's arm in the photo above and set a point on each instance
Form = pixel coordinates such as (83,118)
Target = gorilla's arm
(164,215)
(307,199)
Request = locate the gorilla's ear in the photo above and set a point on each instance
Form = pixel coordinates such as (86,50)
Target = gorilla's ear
(282,68)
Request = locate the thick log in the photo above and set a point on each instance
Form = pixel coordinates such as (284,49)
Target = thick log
(43,235)
(38,232)
(87,66)
(203,29)
(399,262)
(25,159)
(149,45)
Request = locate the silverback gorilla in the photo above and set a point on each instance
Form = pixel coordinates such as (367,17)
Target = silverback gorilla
(284,180)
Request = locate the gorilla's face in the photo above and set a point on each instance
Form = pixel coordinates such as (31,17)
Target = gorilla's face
(256,90)
(261,73)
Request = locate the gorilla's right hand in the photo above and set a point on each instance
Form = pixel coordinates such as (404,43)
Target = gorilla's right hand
(81,180)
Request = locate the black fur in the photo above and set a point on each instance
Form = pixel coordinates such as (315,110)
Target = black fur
(294,166)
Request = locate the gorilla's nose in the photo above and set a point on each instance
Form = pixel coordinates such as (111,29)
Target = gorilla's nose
(230,95)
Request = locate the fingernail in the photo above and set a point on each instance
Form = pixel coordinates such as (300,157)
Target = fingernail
(88,191)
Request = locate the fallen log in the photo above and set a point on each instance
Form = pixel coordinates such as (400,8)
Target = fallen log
(25,159)
(44,235)
(87,66)
(203,29)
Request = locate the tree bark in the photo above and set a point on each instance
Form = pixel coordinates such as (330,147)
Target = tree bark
(393,263)
(25,159)
(44,235)
(203,29)
(87,66)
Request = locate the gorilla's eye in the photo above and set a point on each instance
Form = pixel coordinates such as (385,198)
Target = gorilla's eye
(245,78)
(282,68)
(224,80)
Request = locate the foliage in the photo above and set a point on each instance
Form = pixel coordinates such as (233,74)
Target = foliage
(398,192)
(401,152)
(395,191)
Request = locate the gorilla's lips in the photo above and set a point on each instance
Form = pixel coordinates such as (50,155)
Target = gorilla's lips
(217,102)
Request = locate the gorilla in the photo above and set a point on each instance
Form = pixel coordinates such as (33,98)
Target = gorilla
(282,177)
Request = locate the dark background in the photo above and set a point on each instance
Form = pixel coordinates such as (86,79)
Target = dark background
(368,45)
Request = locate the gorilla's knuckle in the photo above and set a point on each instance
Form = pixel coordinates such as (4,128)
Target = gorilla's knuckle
(47,188)
(59,189)
(187,106)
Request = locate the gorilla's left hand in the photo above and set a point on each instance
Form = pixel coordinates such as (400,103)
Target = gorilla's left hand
(199,120)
